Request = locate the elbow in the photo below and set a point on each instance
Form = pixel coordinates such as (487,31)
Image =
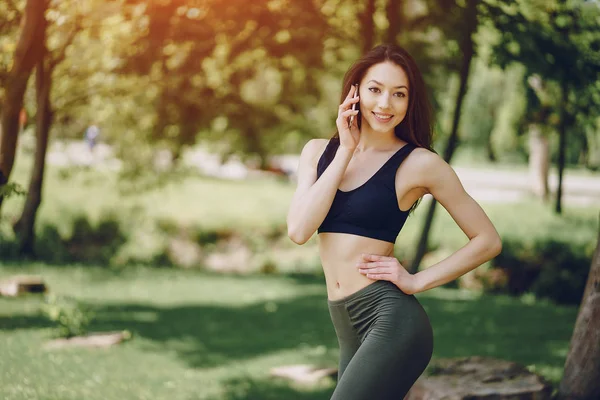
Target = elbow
(296,235)
(495,246)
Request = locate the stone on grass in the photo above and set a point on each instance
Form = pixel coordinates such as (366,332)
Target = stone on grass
(303,373)
(21,284)
(476,378)
(96,339)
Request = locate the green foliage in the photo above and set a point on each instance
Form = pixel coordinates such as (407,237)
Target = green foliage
(70,316)
(12,189)
(250,71)
(555,41)
(494,105)
(169,74)
(9,24)
(549,38)
(552,269)
(87,242)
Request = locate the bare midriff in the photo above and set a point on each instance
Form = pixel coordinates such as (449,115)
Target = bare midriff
(339,253)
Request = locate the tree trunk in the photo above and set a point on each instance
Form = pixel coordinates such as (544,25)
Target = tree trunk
(562,143)
(27,54)
(539,162)
(581,378)
(393,12)
(24,227)
(468,50)
(255,146)
(491,154)
(368,26)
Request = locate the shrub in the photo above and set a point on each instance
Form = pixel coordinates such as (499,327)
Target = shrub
(71,318)
(549,268)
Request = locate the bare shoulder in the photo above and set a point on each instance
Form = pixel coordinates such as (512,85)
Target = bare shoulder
(429,168)
(312,151)
(316,145)
(422,160)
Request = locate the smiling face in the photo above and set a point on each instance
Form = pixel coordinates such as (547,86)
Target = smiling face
(384,96)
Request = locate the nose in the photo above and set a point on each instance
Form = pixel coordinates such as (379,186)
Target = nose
(383,102)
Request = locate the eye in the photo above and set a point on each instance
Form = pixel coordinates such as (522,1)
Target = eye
(401,94)
(374,89)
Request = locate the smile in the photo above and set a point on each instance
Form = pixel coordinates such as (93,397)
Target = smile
(382,117)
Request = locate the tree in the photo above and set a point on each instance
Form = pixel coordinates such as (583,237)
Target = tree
(255,71)
(556,41)
(482,106)
(28,53)
(368,26)
(24,227)
(581,378)
(465,24)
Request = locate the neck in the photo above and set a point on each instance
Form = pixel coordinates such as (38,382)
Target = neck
(378,141)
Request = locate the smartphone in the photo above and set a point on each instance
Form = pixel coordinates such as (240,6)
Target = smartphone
(354,105)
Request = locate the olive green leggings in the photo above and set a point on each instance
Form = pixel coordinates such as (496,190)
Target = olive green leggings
(385,339)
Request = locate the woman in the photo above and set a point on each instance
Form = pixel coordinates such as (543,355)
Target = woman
(357,190)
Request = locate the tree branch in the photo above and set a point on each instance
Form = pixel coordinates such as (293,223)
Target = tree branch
(61,53)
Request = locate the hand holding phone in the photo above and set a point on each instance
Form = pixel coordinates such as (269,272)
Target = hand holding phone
(346,123)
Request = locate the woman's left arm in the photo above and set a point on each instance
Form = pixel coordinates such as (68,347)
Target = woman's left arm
(440,180)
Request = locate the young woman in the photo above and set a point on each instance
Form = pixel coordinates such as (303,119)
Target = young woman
(356,190)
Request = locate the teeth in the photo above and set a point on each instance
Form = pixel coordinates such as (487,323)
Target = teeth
(382,116)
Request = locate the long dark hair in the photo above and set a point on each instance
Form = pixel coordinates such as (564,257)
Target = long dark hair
(416,127)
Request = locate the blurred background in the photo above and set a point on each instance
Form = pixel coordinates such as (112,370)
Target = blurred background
(148,155)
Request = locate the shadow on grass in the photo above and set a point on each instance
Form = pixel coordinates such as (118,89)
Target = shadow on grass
(211,335)
(250,389)
(207,335)
(22,313)
(501,327)
(18,322)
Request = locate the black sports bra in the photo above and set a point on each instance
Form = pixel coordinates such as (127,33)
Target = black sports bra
(371,209)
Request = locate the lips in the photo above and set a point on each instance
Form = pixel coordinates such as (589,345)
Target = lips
(382,117)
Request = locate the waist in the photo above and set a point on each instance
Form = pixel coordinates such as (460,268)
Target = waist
(339,255)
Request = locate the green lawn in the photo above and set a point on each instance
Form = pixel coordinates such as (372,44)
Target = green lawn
(198,335)
(204,336)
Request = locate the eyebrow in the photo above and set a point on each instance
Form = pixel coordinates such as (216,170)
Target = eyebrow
(396,87)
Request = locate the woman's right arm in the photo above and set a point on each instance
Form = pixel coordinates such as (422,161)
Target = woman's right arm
(313,197)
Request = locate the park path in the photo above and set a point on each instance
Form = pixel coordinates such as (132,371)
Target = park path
(485,184)
(497,185)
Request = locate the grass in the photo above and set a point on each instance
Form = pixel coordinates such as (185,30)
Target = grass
(198,335)
(204,336)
